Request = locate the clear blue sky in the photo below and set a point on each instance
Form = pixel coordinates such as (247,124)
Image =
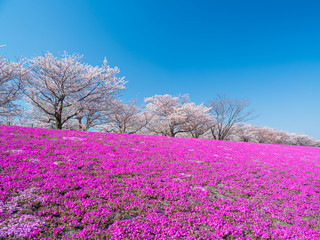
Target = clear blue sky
(267,51)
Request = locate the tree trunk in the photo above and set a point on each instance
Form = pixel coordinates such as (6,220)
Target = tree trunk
(58,125)
(172,133)
(80,124)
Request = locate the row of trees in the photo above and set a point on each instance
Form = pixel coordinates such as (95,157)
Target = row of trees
(66,93)
(249,133)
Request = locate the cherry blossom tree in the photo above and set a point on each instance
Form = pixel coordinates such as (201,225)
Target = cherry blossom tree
(303,140)
(197,118)
(125,118)
(91,111)
(177,115)
(228,112)
(11,75)
(269,135)
(243,133)
(249,133)
(64,88)
(168,119)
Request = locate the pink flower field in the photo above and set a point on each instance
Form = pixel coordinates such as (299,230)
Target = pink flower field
(85,185)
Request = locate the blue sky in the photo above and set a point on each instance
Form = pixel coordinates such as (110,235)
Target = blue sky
(267,51)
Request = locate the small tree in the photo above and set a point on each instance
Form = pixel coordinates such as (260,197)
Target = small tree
(243,133)
(168,116)
(90,112)
(228,112)
(125,118)
(198,119)
(176,115)
(64,87)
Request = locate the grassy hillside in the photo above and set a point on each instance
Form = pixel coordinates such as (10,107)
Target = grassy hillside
(68,184)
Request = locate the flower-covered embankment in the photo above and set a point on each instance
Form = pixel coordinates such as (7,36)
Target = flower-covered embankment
(69,184)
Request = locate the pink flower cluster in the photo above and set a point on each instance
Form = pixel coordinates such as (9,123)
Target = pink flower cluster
(70,184)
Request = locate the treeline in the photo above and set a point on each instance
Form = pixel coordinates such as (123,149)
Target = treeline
(249,133)
(65,93)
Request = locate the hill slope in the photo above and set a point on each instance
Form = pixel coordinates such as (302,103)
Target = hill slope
(69,184)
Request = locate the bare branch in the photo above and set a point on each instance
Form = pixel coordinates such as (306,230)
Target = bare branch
(228,112)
